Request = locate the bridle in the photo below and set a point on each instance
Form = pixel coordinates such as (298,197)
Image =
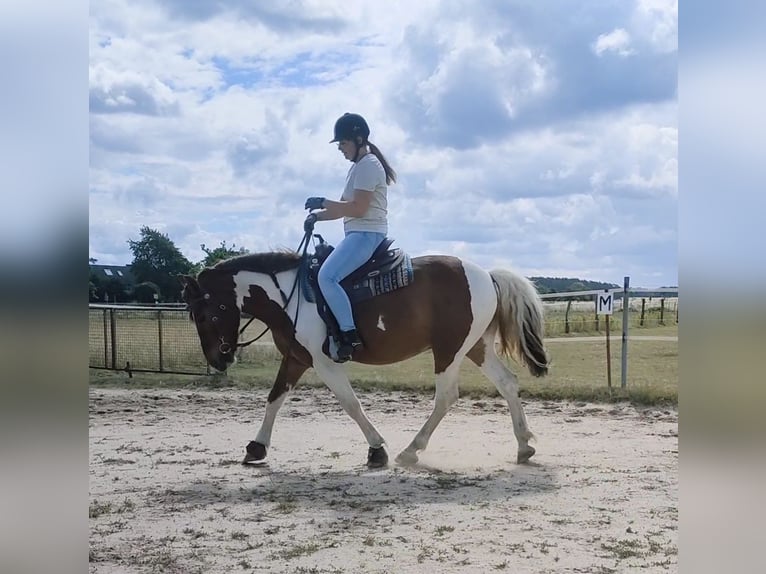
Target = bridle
(225,348)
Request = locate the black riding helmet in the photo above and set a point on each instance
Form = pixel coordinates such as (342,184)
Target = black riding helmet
(349,126)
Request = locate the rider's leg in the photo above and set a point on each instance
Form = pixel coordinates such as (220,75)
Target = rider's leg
(350,254)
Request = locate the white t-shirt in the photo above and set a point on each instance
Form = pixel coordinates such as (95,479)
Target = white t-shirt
(368,174)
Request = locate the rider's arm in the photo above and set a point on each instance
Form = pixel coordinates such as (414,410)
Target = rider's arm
(357,207)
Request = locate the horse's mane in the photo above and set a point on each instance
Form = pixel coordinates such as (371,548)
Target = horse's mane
(271,262)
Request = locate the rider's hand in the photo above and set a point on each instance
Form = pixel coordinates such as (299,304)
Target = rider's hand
(314,203)
(308,225)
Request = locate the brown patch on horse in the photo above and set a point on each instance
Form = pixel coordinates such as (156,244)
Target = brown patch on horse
(434,312)
(290,370)
(282,329)
(478,352)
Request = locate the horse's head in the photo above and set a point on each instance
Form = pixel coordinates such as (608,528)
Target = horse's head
(213,306)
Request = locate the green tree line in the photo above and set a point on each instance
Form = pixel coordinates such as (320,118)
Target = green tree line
(156,267)
(157,263)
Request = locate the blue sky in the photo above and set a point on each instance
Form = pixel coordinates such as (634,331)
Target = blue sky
(538,136)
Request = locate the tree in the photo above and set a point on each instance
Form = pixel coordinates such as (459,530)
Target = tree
(157,260)
(95,289)
(223,251)
(103,290)
(145,292)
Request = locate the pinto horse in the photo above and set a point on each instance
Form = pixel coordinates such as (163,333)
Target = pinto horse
(452,307)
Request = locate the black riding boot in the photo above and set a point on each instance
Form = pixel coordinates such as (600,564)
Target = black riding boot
(349,342)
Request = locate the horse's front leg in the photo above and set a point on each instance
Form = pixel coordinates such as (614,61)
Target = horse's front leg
(290,370)
(334,376)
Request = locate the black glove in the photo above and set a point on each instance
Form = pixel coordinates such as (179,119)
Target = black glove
(314,203)
(308,225)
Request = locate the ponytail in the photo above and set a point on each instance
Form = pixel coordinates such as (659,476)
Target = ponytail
(390,173)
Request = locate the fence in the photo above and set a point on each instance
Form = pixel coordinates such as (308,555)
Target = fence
(144,339)
(567,313)
(624,315)
(162,339)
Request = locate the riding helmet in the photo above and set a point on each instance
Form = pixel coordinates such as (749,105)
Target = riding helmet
(349,126)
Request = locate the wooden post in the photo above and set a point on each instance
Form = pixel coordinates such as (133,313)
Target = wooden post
(625,319)
(566,317)
(595,304)
(643,310)
(662,311)
(608,358)
(605,306)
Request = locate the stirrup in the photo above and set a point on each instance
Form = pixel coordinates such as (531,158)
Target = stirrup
(348,343)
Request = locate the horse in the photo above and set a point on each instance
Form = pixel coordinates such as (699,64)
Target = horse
(452,307)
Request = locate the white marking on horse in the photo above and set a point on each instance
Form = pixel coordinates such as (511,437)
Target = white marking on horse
(381,326)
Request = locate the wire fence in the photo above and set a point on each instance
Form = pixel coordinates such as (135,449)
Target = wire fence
(162,339)
(571,315)
(144,339)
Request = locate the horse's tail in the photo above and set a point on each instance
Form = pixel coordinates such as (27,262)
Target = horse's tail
(519,317)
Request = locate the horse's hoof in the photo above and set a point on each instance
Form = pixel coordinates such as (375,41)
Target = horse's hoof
(524,454)
(377,457)
(256,452)
(407,458)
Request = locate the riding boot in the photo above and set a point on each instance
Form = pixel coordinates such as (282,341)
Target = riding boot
(349,342)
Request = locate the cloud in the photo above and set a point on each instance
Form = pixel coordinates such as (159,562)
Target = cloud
(543,137)
(617,41)
(656,21)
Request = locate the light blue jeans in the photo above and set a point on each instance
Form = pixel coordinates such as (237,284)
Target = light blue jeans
(353,251)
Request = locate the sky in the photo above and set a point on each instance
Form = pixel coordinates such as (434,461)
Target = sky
(538,136)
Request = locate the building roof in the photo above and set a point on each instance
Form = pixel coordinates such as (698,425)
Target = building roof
(120,272)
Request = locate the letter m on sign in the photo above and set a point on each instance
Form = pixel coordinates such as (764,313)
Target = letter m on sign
(604,303)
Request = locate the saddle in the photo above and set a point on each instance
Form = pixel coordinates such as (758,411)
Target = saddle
(385,271)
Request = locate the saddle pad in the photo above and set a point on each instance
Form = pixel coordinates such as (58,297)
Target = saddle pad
(371,284)
(376,283)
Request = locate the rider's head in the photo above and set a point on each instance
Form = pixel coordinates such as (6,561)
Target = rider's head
(351,132)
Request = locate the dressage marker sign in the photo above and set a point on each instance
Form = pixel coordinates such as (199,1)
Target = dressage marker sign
(605,306)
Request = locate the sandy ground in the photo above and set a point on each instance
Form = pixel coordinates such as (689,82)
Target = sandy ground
(168,492)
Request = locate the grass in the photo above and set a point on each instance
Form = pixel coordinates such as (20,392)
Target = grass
(578,372)
(96,508)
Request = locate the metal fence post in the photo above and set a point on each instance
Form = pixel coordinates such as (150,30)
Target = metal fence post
(113,327)
(159,334)
(625,319)
(106,341)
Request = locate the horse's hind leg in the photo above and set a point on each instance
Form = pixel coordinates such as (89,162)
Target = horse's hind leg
(484,355)
(446,395)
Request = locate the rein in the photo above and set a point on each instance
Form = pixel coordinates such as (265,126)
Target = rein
(285,298)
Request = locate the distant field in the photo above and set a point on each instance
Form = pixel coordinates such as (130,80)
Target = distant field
(140,334)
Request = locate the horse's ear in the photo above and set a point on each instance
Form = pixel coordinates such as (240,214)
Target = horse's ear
(188,280)
(190,285)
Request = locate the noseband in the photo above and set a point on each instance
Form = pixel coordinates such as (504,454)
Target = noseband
(224,348)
